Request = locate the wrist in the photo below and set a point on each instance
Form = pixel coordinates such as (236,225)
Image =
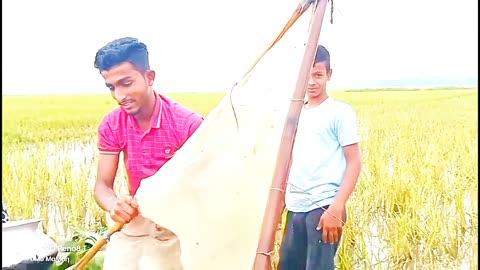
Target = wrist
(111,203)
(337,205)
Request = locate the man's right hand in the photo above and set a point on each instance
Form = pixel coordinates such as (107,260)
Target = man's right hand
(124,210)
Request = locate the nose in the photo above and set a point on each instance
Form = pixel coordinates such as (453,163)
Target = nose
(311,81)
(119,95)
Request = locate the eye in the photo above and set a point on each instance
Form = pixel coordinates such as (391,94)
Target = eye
(126,83)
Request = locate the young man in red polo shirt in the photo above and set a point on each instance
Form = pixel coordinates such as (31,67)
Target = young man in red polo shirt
(148,128)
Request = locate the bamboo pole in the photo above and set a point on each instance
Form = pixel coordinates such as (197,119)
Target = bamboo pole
(80,265)
(276,200)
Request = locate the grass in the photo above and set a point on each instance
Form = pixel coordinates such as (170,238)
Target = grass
(415,205)
(58,118)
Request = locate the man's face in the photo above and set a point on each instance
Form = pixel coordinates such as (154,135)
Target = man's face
(317,82)
(128,86)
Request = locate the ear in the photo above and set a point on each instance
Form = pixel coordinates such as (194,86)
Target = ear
(329,74)
(150,75)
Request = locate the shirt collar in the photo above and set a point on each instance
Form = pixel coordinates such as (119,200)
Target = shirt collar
(157,113)
(156,117)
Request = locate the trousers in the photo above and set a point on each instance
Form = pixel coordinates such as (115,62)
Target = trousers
(302,247)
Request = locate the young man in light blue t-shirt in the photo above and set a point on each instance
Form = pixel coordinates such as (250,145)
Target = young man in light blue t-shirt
(326,163)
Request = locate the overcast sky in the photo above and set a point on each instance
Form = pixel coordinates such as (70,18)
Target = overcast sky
(49,45)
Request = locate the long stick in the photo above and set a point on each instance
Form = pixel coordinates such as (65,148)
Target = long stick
(98,245)
(276,200)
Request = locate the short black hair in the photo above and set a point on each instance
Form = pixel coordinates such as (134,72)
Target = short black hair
(122,50)
(322,55)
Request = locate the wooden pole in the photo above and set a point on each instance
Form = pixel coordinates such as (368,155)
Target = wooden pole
(80,265)
(276,200)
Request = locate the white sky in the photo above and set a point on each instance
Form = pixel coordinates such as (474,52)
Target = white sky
(49,45)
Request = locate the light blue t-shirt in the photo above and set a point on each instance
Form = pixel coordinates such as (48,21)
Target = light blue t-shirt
(318,161)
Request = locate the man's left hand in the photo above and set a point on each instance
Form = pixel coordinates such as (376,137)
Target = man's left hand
(331,222)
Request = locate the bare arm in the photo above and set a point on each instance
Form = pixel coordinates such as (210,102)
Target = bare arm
(354,165)
(107,169)
(332,221)
(121,210)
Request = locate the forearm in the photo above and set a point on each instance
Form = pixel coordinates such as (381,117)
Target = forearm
(104,196)
(348,183)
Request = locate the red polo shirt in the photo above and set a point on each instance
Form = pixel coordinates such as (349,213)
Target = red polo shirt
(146,152)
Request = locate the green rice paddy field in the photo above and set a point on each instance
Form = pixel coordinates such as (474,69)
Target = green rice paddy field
(415,206)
